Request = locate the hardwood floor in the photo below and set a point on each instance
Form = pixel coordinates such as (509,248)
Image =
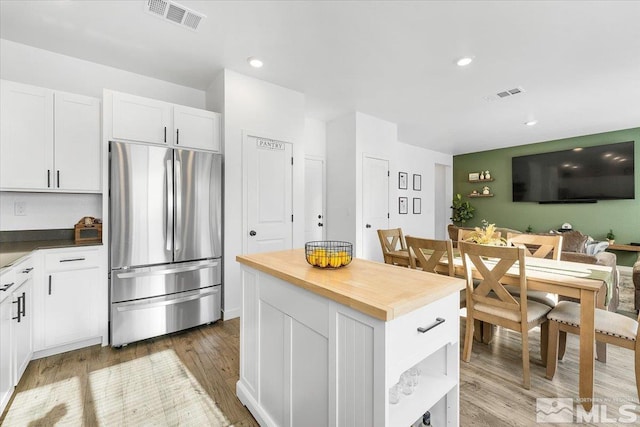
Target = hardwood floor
(189,379)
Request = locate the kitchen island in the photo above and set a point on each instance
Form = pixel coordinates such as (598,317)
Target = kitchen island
(326,346)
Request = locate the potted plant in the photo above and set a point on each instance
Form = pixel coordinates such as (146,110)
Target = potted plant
(611,237)
(461,211)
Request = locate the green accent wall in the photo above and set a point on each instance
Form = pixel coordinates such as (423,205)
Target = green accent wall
(594,219)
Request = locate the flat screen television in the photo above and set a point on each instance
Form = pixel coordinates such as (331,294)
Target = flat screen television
(588,174)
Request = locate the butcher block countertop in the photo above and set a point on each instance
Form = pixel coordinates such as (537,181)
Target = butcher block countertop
(379,290)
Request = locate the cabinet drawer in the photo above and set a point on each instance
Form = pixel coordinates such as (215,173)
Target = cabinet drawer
(407,345)
(71,260)
(23,271)
(7,283)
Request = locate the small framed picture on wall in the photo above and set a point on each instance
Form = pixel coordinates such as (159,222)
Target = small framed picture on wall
(417,205)
(403,205)
(417,182)
(403,177)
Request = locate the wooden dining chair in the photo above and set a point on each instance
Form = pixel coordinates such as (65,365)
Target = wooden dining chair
(394,247)
(536,245)
(490,302)
(612,328)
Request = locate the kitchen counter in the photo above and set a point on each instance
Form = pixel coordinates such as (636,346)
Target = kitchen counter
(379,290)
(329,345)
(17,244)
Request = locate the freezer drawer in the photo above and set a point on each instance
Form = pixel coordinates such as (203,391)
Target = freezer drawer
(147,282)
(138,320)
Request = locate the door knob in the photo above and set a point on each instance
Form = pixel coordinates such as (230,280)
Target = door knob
(252,233)
(368,225)
(319,216)
(320,224)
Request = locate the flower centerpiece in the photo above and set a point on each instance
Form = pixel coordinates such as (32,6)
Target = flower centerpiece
(487,235)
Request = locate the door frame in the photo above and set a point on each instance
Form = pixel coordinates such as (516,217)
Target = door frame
(245,184)
(324,189)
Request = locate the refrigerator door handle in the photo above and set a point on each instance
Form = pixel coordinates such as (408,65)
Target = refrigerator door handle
(178,227)
(137,305)
(169,206)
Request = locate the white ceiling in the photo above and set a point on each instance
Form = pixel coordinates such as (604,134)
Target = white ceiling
(578,61)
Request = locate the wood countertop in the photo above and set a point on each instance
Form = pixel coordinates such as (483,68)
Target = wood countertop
(379,290)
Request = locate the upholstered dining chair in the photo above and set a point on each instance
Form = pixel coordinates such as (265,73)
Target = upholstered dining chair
(612,328)
(490,302)
(394,247)
(536,245)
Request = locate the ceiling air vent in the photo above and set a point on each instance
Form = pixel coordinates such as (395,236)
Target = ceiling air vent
(174,12)
(504,94)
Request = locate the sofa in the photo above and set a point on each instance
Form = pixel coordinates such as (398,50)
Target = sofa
(578,247)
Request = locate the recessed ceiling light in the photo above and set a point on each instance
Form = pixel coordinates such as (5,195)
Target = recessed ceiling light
(463,62)
(531,123)
(577,149)
(254,62)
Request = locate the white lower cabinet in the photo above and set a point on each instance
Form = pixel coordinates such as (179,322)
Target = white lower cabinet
(307,360)
(16,326)
(70,299)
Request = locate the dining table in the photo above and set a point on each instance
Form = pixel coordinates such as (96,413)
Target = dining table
(589,283)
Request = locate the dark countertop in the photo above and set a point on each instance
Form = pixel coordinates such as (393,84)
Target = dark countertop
(12,248)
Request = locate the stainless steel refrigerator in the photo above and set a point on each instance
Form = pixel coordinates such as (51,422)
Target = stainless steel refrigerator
(165,240)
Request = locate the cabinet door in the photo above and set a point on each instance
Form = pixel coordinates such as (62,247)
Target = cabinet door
(22,330)
(70,312)
(77,142)
(6,379)
(141,119)
(26,137)
(196,128)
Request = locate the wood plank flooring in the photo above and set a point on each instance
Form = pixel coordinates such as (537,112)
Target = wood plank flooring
(189,379)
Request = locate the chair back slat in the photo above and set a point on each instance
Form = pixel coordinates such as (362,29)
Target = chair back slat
(537,246)
(427,253)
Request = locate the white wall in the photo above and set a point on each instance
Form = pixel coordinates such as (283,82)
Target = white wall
(47,210)
(315,138)
(252,105)
(417,160)
(38,67)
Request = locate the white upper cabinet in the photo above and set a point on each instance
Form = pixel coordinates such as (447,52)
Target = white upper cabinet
(77,142)
(141,119)
(49,140)
(195,128)
(26,136)
(134,118)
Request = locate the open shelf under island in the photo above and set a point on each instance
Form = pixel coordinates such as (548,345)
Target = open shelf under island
(325,346)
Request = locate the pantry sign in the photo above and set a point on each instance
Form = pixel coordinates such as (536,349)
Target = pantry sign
(269,144)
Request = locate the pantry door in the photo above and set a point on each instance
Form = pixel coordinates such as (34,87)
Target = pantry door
(268,169)
(375,205)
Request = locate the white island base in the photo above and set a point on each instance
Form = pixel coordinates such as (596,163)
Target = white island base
(307,360)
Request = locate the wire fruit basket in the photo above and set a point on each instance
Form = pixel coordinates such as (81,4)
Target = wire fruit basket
(328,253)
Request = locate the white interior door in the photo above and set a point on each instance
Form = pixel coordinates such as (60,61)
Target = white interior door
(268,176)
(375,205)
(314,199)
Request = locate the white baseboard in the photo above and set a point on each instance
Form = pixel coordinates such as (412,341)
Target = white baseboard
(229,314)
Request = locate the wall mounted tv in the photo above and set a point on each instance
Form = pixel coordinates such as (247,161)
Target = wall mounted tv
(579,175)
